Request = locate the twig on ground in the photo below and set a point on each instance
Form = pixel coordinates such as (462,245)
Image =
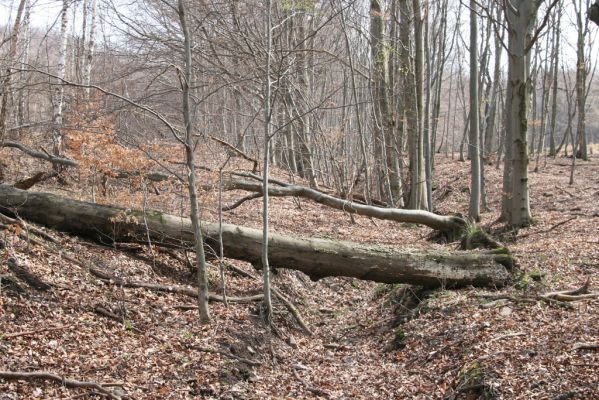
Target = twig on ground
(507,335)
(585,346)
(30,228)
(550,229)
(32,332)
(29,376)
(188,291)
(581,293)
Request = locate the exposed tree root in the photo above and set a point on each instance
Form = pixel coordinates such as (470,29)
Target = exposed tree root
(31,376)
(586,346)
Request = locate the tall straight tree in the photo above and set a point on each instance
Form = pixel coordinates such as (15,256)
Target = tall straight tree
(186,85)
(10,58)
(386,170)
(89,57)
(557,17)
(521,17)
(58,93)
(418,197)
(582,29)
(267,302)
(475,175)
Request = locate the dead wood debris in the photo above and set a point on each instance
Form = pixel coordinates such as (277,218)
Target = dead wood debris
(561,297)
(292,309)
(30,376)
(32,332)
(188,291)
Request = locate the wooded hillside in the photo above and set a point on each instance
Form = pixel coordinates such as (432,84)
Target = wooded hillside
(299,199)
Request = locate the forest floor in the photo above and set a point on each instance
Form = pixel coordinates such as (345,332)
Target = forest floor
(454,344)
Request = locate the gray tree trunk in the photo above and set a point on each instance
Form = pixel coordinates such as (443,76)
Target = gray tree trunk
(475,176)
(9,59)
(418,198)
(186,83)
(317,258)
(89,57)
(265,168)
(582,27)
(58,91)
(521,16)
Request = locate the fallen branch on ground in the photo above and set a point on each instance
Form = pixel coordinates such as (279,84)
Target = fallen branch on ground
(185,290)
(17,221)
(439,222)
(237,151)
(550,229)
(28,376)
(585,346)
(26,276)
(29,333)
(64,161)
(292,309)
(581,293)
(561,297)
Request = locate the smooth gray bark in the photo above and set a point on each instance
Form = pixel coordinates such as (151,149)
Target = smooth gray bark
(187,83)
(475,175)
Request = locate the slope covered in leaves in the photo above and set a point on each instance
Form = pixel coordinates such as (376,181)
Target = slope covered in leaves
(454,344)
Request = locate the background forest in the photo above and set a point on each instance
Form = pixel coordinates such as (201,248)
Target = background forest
(247,198)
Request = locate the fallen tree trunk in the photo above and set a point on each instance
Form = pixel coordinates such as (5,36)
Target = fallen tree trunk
(317,258)
(444,223)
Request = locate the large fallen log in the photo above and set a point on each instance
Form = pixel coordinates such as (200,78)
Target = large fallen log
(315,257)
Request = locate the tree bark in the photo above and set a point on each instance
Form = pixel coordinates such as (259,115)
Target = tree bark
(444,223)
(475,175)
(9,59)
(317,258)
(58,90)
(196,223)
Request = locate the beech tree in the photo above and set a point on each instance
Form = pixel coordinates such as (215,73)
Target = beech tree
(475,175)
(523,31)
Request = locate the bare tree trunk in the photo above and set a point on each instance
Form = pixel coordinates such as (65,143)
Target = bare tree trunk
(491,115)
(555,66)
(361,134)
(418,180)
(57,98)
(89,57)
(10,58)
(521,16)
(186,83)
(267,302)
(582,27)
(475,176)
